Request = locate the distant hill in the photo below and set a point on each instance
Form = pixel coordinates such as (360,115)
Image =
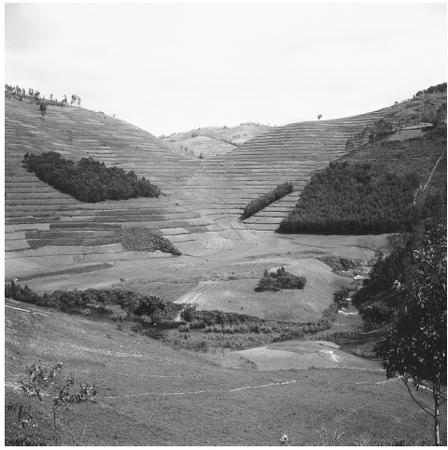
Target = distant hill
(203,142)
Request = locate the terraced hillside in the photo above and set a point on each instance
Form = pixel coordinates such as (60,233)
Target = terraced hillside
(201,200)
(289,153)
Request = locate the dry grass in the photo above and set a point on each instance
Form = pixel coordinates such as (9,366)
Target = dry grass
(120,363)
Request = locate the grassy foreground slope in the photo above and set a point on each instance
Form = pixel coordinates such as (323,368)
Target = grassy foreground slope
(150,394)
(381,184)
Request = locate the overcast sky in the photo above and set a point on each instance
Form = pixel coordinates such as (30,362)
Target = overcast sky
(173,67)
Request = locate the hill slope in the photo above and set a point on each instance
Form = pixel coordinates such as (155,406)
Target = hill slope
(150,394)
(201,199)
(380,185)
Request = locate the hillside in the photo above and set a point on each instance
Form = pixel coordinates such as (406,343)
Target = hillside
(150,394)
(201,200)
(380,184)
(206,141)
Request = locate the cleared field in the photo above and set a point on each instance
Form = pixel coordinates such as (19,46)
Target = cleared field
(291,305)
(304,355)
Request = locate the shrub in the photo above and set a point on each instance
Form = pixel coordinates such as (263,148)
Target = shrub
(56,397)
(88,180)
(266,199)
(280,280)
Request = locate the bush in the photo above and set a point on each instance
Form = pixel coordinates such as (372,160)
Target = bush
(88,180)
(354,198)
(280,280)
(266,199)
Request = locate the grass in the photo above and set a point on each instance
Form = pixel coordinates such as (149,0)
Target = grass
(120,363)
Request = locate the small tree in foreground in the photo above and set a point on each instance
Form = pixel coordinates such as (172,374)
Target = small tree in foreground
(56,396)
(415,348)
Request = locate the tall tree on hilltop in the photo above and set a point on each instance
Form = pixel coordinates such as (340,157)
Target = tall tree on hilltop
(415,348)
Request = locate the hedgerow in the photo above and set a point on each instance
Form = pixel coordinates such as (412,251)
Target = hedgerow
(354,198)
(88,180)
(115,303)
(266,199)
(275,281)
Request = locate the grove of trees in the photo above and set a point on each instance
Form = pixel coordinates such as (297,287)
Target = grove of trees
(88,180)
(354,198)
(280,279)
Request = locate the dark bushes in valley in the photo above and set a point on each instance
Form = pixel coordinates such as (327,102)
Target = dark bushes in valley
(202,319)
(275,281)
(88,180)
(354,198)
(115,303)
(266,199)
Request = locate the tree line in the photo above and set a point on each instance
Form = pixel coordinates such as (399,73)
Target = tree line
(117,304)
(266,199)
(88,180)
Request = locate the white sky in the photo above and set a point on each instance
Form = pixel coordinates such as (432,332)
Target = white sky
(172,67)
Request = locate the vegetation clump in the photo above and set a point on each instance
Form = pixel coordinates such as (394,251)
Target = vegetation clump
(116,304)
(266,199)
(354,198)
(280,279)
(142,239)
(380,296)
(88,180)
(438,88)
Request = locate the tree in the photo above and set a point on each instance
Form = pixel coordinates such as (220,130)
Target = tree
(415,348)
(221,319)
(56,398)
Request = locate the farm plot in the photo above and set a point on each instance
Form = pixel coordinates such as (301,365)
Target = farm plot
(303,305)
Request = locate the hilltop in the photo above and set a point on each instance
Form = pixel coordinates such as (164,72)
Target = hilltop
(207,141)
